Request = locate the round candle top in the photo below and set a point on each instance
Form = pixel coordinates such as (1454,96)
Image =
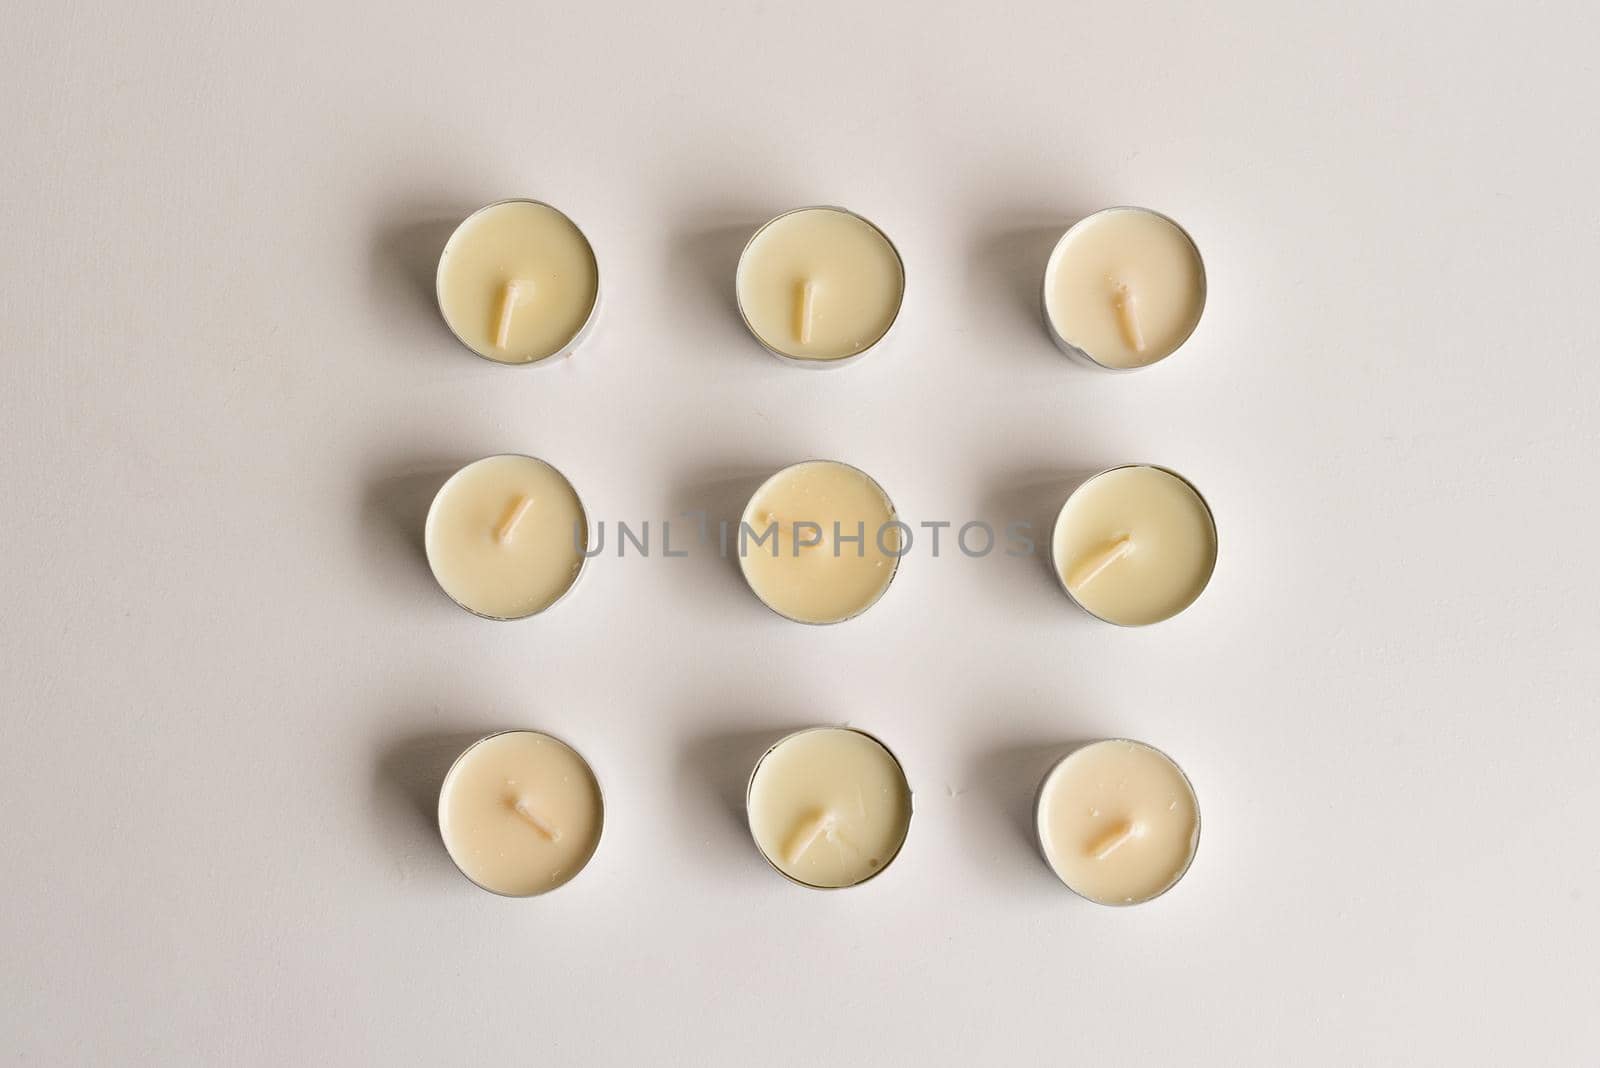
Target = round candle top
(829,807)
(1124,287)
(819,284)
(503,536)
(818,542)
(517,282)
(1135,545)
(1118,822)
(520,813)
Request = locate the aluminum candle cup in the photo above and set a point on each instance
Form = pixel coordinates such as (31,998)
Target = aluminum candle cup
(819,286)
(829,807)
(506,537)
(1117,821)
(1134,545)
(518,283)
(1123,289)
(520,813)
(819,542)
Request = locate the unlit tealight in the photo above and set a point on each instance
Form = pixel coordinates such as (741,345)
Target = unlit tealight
(520,813)
(1118,821)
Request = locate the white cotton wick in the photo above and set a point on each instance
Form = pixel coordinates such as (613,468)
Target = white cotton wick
(806,833)
(513,516)
(1089,568)
(804,297)
(549,833)
(1115,838)
(510,296)
(1128,316)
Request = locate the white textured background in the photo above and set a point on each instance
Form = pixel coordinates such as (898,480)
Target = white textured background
(230,686)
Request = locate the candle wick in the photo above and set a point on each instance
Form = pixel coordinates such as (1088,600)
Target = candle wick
(1114,839)
(510,296)
(806,834)
(549,833)
(1128,315)
(807,547)
(513,516)
(804,295)
(1089,569)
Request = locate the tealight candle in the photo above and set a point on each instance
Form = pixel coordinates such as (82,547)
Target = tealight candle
(505,535)
(829,807)
(520,813)
(819,542)
(518,283)
(1134,545)
(819,286)
(1123,288)
(1118,822)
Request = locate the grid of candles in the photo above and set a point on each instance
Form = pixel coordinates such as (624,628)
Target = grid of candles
(521,812)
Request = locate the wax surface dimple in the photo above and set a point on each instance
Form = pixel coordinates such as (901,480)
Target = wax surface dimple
(829,807)
(1160,534)
(503,535)
(805,573)
(520,813)
(1118,822)
(517,281)
(1126,286)
(820,284)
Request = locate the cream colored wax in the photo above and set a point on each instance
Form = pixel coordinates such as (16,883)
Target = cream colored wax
(1118,822)
(819,284)
(1135,545)
(829,573)
(1125,287)
(829,806)
(517,282)
(503,536)
(520,813)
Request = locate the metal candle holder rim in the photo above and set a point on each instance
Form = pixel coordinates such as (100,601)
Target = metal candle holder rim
(1211,518)
(1075,351)
(894,569)
(583,517)
(1038,828)
(800,361)
(599,794)
(910,804)
(572,343)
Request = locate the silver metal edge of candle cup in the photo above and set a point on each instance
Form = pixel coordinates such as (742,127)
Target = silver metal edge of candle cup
(894,516)
(1082,354)
(583,558)
(911,806)
(1216,545)
(599,792)
(800,361)
(1038,830)
(573,342)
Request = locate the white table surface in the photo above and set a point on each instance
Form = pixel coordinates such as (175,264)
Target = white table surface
(231,687)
